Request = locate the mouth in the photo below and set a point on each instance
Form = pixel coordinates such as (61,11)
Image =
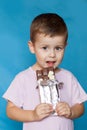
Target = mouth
(50,63)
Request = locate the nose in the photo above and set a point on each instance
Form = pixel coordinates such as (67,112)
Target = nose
(52,53)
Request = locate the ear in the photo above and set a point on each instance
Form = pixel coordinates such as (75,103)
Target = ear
(31,47)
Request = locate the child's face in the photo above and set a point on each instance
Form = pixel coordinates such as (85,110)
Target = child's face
(49,51)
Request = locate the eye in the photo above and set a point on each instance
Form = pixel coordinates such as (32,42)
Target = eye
(58,48)
(44,48)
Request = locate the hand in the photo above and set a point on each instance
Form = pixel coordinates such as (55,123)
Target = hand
(63,109)
(42,110)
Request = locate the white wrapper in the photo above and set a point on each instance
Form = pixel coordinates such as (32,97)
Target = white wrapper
(48,89)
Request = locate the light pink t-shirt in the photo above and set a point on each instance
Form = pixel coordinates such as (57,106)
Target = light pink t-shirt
(23,93)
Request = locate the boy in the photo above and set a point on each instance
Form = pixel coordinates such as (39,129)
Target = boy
(48,40)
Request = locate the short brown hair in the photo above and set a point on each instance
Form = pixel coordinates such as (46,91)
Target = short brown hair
(49,24)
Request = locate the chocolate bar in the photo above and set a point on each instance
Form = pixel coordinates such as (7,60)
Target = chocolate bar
(48,86)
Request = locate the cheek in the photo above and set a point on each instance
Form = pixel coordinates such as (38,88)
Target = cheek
(39,55)
(60,56)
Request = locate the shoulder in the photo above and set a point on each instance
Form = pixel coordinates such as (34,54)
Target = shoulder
(66,72)
(66,75)
(27,73)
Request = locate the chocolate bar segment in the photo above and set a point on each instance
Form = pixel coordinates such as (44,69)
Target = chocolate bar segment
(48,86)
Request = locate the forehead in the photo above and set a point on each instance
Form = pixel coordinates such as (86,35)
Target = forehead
(41,38)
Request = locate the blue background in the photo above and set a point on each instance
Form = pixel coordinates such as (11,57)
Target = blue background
(15,20)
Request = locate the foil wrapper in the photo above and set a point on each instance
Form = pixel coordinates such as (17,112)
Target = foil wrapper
(48,86)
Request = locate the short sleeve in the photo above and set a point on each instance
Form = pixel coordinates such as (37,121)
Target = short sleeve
(78,93)
(15,92)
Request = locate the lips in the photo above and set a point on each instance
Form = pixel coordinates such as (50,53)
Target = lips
(50,63)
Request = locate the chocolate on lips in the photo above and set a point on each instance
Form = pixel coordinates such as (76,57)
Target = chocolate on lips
(48,86)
